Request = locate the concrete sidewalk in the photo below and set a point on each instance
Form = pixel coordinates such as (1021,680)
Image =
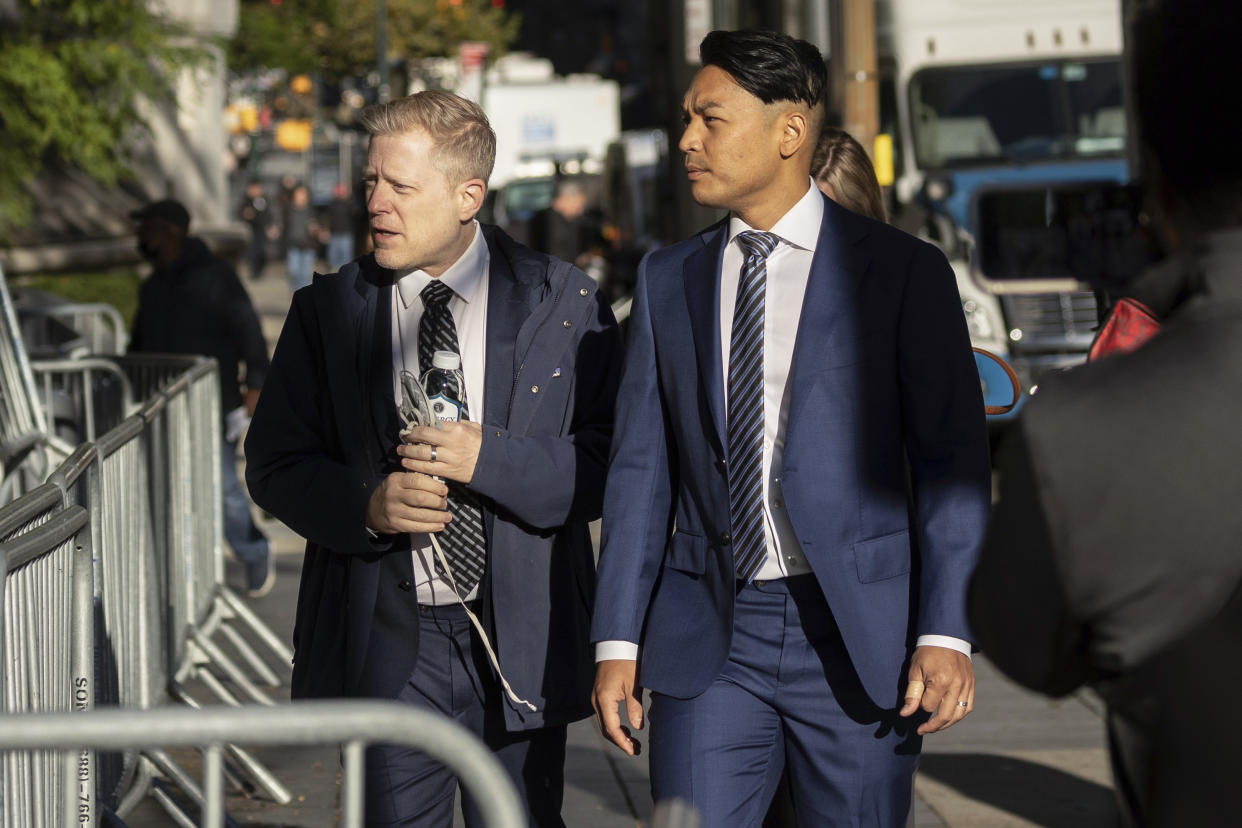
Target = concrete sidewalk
(1018,760)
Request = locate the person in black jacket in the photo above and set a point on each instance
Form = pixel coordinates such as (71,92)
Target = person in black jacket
(494,632)
(257,213)
(193,303)
(1112,557)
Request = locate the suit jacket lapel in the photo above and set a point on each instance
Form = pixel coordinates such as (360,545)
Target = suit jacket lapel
(374,366)
(830,318)
(508,306)
(701,276)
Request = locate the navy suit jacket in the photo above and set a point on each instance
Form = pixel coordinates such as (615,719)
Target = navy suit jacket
(325,434)
(885,476)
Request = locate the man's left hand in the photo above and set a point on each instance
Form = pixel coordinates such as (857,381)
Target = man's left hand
(448,452)
(939,679)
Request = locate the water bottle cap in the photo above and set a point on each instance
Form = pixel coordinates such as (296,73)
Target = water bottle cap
(446,360)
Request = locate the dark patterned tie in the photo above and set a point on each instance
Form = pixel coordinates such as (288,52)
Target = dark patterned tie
(462,540)
(745,415)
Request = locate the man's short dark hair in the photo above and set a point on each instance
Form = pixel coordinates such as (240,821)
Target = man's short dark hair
(770,66)
(1185,57)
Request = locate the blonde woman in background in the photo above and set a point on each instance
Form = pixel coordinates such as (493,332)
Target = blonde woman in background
(845,174)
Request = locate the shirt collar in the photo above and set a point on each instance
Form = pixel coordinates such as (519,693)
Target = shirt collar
(464,276)
(798,227)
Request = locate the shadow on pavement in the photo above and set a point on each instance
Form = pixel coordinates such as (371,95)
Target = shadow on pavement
(1031,791)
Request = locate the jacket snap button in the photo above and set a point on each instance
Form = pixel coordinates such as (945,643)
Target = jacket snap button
(568,324)
(583,292)
(726,538)
(534,389)
(405,585)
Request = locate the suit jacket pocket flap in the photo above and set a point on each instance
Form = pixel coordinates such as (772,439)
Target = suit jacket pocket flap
(687,553)
(884,557)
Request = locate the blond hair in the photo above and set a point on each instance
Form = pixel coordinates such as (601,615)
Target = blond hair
(842,163)
(464,140)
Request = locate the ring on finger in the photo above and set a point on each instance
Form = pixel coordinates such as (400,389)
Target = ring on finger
(963,704)
(433,453)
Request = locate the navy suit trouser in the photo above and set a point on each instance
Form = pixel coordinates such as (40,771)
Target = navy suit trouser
(405,787)
(787,698)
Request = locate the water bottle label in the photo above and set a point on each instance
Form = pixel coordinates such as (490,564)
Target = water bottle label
(445,408)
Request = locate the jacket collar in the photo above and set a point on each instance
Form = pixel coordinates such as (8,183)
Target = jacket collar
(839,262)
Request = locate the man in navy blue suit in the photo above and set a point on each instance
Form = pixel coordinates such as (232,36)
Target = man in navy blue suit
(487,624)
(799,480)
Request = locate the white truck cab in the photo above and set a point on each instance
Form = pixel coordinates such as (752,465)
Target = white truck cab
(998,94)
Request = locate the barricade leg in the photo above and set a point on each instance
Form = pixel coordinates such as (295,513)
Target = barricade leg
(257,665)
(219,620)
(214,655)
(252,767)
(242,612)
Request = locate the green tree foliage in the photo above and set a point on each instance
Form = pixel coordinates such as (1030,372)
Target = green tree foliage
(336,38)
(71,74)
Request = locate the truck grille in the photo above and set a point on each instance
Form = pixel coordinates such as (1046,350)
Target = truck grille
(1051,321)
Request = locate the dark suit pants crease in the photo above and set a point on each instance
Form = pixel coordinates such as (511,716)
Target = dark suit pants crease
(788,696)
(405,787)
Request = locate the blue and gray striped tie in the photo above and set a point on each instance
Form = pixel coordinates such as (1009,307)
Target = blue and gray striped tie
(745,423)
(463,539)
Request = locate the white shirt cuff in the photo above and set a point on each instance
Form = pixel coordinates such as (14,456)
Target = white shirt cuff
(945,641)
(621,650)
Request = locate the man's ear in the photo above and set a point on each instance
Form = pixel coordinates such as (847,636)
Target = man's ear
(470,198)
(795,132)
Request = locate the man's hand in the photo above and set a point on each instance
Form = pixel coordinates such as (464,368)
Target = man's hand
(616,681)
(939,679)
(455,447)
(408,502)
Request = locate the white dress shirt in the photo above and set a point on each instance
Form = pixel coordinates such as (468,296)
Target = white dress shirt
(468,279)
(788,270)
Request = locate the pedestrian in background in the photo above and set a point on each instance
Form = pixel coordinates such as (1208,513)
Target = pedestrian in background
(301,233)
(800,477)
(844,172)
(561,229)
(1112,559)
(193,303)
(342,223)
(508,492)
(256,211)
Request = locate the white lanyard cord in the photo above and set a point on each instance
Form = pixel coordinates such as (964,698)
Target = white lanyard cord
(487,644)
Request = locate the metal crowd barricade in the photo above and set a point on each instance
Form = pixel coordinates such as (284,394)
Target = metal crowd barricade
(201,602)
(46,644)
(98,325)
(154,485)
(27,447)
(82,397)
(354,725)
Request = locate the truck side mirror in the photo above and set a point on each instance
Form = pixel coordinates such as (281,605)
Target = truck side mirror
(1000,383)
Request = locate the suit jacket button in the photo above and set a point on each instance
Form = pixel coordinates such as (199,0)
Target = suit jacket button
(726,538)
(404,585)
(722,467)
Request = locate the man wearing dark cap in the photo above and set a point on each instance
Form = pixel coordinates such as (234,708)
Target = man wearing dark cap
(193,303)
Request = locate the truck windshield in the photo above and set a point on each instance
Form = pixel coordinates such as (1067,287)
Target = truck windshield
(979,115)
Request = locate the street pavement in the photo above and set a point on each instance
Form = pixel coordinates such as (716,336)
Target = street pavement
(1019,760)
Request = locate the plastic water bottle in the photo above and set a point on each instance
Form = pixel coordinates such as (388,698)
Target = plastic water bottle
(445,386)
